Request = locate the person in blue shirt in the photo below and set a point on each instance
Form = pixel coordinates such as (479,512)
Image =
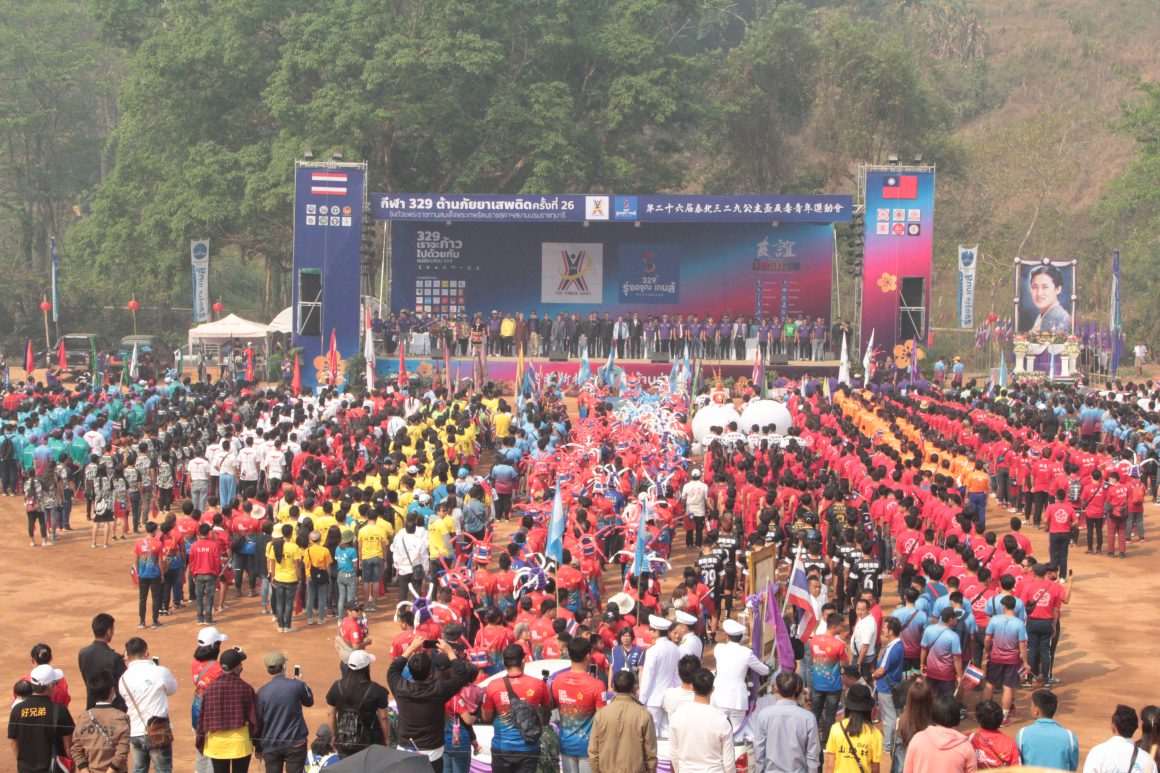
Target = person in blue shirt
(346,562)
(1045,743)
(887,676)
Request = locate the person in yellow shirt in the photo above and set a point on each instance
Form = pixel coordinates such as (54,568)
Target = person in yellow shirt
(440,532)
(502,421)
(325,519)
(854,745)
(316,561)
(283,562)
(371,538)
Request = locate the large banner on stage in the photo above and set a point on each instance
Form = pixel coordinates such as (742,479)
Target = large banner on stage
(328,211)
(651,268)
(897,257)
(1044,296)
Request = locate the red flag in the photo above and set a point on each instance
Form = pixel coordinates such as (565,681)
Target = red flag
(249,364)
(332,359)
(296,379)
(902,186)
(930,338)
(29,360)
(447,369)
(61,359)
(402,364)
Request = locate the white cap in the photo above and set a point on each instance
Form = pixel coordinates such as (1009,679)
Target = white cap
(695,473)
(659,623)
(359,659)
(732,628)
(624,602)
(44,675)
(424,498)
(210,635)
(412,469)
(684,618)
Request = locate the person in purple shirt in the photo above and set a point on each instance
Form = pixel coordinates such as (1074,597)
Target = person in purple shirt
(724,337)
(650,335)
(817,338)
(708,331)
(693,335)
(493,323)
(665,334)
(680,335)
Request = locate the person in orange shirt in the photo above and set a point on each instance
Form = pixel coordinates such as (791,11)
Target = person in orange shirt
(977,483)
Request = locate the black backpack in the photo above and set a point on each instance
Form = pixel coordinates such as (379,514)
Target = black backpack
(7,448)
(350,730)
(524,716)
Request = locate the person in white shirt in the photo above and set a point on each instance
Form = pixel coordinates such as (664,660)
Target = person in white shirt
(675,697)
(659,671)
(690,642)
(146,688)
(411,552)
(695,496)
(198,469)
(275,464)
(1118,754)
(734,662)
(95,440)
(701,737)
(818,596)
(248,460)
(864,639)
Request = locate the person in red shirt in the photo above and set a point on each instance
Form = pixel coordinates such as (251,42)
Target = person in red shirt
(492,638)
(578,694)
(1116,506)
(1061,518)
(1021,539)
(1092,499)
(993,749)
(1044,601)
(1042,472)
(354,630)
(509,751)
(205,565)
(148,563)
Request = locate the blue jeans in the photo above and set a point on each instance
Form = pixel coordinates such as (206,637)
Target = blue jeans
(316,591)
(569,764)
(979,500)
(265,592)
(284,593)
(52,514)
(199,492)
(1136,521)
(227,488)
(825,708)
(347,591)
(457,761)
(144,755)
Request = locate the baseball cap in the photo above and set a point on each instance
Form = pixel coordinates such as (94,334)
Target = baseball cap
(696,473)
(231,659)
(462,473)
(359,659)
(275,659)
(44,675)
(210,635)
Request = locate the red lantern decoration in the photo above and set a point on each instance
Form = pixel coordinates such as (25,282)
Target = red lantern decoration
(218,307)
(45,306)
(134,305)
(992,318)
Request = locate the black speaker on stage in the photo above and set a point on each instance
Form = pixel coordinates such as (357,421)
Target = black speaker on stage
(656,355)
(557,355)
(778,359)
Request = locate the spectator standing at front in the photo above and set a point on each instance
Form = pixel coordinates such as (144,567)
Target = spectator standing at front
(284,729)
(101,740)
(941,748)
(1045,743)
(624,738)
(854,744)
(992,748)
(146,688)
(887,678)
(38,728)
(99,657)
(228,722)
(1118,754)
(701,735)
(786,734)
(358,707)
(422,699)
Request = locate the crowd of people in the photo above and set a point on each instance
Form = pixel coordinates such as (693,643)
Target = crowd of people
(506,334)
(490,531)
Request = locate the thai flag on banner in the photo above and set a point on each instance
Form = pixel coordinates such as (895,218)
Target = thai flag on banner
(324,182)
(799,596)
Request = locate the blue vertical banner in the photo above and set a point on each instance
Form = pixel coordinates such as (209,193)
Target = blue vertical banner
(1117,320)
(968,263)
(199,265)
(329,199)
(55,265)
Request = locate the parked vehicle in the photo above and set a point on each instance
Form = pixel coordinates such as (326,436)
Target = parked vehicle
(78,352)
(162,355)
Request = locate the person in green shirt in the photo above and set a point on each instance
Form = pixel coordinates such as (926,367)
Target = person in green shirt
(789,336)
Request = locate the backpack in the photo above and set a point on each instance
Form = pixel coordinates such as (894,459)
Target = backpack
(7,449)
(350,729)
(524,716)
(1074,489)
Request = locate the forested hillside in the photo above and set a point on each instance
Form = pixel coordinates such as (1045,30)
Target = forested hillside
(128,127)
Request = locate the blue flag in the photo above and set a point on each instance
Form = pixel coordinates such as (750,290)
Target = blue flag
(555,546)
(606,371)
(585,371)
(638,564)
(55,264)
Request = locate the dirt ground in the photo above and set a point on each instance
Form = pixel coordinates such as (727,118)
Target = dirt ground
(52,593)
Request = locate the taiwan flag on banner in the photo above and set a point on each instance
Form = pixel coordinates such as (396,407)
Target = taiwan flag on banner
(900,186)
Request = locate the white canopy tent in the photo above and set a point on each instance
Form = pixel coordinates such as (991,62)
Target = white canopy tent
(231,326)
(284,322)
